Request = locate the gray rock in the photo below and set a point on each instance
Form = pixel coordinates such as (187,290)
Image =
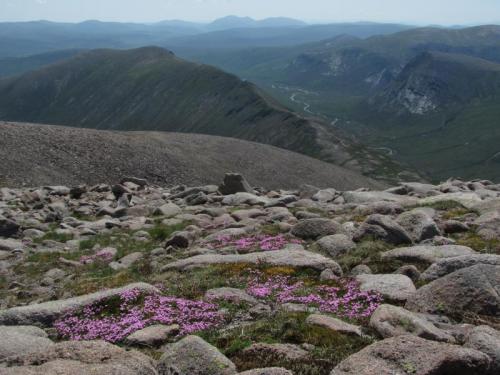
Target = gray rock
(11,245)
(230,294)
(361,197)
(469,290)
(426,253)
(446,266)
(409,354)
(389,321)
(152,336)
(83,358)
(467,200)
(33,233)
(391,286)
(44,314)
(22,339)
(486,340)
(418,224)
(409,270)
(454,226)
(244,198)
(334,324)
(293,258)
(267,371)
(193,356)
(234,183)
(316,228)
(336,245)
(326,195)
(127,261)
(396,234)
(360,269)
(137,181)
(168,210)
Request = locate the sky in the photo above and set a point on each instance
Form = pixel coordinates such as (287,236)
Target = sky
(421,12)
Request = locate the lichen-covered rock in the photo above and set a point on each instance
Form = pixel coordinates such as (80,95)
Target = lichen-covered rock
(81,357)
(336,245)
(193,356)
(392,286)
(22,339)
(446,266)
(486,340)
(316,228)
(469,290)
(292,257)
(403,355)
(427,253)
(389,321)
(44,314)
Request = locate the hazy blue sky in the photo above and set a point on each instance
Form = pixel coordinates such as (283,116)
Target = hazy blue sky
(408,11)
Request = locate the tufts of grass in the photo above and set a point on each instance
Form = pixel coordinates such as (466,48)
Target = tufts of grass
(366,252)
(477,243)
(446,206)
(455,213)
(55,236)
(270,229)
(329,347)
(161,232)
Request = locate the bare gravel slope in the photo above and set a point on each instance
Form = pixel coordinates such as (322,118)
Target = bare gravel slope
(47,155)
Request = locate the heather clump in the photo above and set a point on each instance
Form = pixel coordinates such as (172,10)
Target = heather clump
(113,319)
(341,297)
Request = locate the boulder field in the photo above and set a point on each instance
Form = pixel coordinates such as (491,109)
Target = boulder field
(139,279)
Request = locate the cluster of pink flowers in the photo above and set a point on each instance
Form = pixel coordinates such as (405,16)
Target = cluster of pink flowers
(104,255)
(344,300)
(113,321)
(257,242)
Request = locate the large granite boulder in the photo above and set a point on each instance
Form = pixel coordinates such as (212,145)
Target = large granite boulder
(469,290)
(403,355)
(193,356)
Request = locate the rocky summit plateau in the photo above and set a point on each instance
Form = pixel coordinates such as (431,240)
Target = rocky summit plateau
(135,278)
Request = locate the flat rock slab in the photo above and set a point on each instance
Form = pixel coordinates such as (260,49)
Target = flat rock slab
(427,253)
(44,314)
(292,258)
(22,339)
(468,200)
(82,358)
(390,321)
(403,355)
(152,336)
(446,266)
(230,294)
(474,289)
(360,197)
(392,286)
(267,371)
(334,324)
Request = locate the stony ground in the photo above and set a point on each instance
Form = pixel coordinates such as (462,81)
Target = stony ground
(35,155)
(133,278)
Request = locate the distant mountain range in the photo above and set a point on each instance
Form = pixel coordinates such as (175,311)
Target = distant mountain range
(19,39)
(151,89)
(429,96)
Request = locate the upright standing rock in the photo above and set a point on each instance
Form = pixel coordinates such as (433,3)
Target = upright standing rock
(235,183)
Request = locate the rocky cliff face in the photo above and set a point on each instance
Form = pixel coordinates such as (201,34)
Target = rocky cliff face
(135,278)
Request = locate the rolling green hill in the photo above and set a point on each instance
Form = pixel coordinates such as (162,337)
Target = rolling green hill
(151,89)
